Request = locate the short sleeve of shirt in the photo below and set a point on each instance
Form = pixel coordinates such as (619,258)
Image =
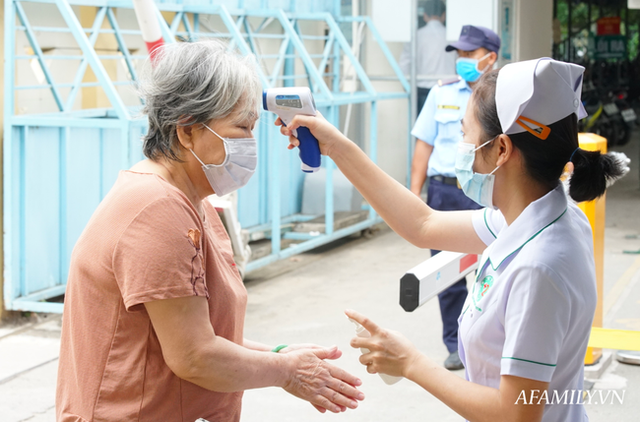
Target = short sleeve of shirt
(425,127)
(536,320)
(159,255)
(488,223)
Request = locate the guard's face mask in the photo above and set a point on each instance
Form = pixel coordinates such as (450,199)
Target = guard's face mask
(477,186)
(239,164)
(468,70)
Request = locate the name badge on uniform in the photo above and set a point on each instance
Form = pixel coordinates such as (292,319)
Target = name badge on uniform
(448,107)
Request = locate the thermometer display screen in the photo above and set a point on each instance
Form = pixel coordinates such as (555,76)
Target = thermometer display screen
(292,101)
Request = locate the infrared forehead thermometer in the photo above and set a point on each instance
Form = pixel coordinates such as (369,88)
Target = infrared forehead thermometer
(288,103)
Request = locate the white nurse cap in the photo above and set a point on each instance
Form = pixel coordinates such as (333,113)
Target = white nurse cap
(535,93)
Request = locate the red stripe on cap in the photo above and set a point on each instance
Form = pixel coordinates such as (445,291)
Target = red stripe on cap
(467,261)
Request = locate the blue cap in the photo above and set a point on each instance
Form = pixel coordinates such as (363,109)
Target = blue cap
(264,101)
(474,37)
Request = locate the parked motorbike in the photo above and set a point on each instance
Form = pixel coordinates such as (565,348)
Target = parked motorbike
(605,116)
(628,115)
(601,119)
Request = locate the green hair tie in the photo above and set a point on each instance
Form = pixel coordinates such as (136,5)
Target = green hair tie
(278,348)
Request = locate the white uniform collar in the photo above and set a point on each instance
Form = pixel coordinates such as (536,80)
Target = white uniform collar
(538,215)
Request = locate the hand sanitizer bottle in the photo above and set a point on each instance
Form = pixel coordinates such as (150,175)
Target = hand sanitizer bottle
(362,332)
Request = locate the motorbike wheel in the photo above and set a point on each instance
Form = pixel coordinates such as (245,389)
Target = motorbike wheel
(608,131)
(626,135)
(620,129)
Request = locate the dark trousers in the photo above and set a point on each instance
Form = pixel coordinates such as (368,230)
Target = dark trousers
(422,97)
(444,197)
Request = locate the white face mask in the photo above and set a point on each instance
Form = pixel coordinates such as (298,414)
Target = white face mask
(477,186)
(240,161)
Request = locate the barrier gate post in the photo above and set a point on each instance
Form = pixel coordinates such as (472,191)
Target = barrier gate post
(595,211)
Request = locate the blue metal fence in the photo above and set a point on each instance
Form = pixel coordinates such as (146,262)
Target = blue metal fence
(59,165)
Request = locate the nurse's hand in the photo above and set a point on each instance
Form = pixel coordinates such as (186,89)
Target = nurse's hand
(329,137)
(389,351)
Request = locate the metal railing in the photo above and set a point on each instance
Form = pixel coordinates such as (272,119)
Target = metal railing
(58,165)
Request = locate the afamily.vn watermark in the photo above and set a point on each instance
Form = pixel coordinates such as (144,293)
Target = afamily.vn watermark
(571,397)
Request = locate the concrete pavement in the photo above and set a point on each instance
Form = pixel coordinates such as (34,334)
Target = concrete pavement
(302,299)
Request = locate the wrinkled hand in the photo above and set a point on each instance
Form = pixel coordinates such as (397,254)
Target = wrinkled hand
(325,386)
(389,351)
(302,346)
(328,136)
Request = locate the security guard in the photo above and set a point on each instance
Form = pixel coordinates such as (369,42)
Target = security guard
(438,132)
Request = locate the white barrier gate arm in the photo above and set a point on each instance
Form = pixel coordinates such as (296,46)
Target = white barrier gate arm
(434,275)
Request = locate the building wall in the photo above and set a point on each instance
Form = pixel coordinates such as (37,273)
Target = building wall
(393,130)
(470,12)
(530,23)
(533,28)
(392,114)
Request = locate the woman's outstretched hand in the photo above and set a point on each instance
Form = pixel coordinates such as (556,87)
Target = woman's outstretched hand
(389,351)
(325,386)
(328,136)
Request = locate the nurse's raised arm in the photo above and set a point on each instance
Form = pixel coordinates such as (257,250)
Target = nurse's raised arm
(405,213)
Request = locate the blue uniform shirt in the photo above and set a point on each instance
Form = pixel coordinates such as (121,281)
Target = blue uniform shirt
(439,124)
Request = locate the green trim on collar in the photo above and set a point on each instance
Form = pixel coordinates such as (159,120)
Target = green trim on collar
(530,361)
(521,246)
(473,296)
(487,224)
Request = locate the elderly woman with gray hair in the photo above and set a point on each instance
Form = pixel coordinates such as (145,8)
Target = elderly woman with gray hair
(154,310)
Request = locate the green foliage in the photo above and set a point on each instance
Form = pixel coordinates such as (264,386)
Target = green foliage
(581,29)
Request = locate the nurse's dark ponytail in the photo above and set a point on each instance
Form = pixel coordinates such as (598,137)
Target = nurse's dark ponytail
(591,173)
(545,160)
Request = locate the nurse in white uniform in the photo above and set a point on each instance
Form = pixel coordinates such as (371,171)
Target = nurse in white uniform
(524,329)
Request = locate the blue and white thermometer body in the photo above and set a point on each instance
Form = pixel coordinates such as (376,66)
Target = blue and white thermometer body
(287,103)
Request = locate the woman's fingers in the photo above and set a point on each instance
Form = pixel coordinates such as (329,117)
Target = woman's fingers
(388,352)
(328,136)
(319,409)
(370,343)
(346,389)
(335,372)
(302,120)
(285,130)
(372,327)
(369,360)
(328,404)
(341,395)
(293,141)
(336,354)
(338,399)
(329,400)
